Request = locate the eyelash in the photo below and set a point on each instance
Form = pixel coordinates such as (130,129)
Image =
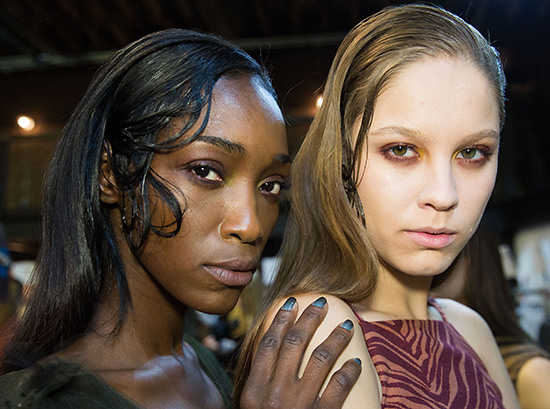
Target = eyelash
(485,152)
(283,185)
(200,167)
(206,168)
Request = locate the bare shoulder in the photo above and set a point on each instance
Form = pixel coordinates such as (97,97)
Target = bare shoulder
(366,392)
(338,311)
(532,384)
(337,307)
(467,322)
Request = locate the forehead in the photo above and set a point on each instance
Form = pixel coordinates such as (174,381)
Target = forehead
(243,109)
(438,95)
(240,108)
(243,95)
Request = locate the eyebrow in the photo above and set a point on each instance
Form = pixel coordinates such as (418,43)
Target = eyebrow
(239,149)
(228,146)
(485,133)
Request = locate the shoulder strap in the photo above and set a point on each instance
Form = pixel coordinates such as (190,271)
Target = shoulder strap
(432,302)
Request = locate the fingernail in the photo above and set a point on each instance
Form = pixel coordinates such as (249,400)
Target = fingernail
(347,324)
(320,302)
(357,360)
(287,306)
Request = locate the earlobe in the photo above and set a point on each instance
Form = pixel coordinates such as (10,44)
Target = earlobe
(108,189)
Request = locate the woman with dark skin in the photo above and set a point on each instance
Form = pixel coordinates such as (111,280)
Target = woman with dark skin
(160,197)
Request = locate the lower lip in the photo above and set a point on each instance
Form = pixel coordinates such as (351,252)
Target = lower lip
(229,277)
(431,241)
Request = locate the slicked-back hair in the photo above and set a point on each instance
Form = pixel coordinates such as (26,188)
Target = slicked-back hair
(326,248)
(134,95)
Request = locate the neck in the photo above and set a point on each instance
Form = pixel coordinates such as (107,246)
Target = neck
(153,325)
(398,296)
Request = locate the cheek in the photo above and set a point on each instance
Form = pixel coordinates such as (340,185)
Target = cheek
(268,214)
(476,192)
(387,192)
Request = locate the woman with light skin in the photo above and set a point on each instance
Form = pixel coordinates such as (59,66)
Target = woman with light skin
(160,197)
(389,185)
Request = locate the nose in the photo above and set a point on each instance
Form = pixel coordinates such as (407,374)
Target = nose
(439,188)
(242,220)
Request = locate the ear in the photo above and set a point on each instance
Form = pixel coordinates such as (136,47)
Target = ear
(108,189)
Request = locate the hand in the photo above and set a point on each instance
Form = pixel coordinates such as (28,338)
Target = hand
(273,381)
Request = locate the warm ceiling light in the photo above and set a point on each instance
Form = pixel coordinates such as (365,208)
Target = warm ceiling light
(25,122)
(319,101)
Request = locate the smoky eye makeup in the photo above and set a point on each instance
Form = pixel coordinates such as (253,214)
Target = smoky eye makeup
(476,155)
(399,152)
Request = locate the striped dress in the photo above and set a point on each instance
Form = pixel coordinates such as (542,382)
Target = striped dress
(428,364)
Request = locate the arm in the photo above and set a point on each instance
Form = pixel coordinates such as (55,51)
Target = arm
(366,392)
(532,384)
(477,333)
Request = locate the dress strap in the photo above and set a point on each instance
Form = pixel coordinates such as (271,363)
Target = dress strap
(432,302)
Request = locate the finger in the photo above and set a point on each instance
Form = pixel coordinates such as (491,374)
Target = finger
(325,355)
(297,339)
(340,385)
(267,353)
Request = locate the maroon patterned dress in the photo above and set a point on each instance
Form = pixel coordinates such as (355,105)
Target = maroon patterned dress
(428,364)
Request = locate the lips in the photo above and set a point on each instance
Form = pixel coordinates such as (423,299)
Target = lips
(432,238)
(233,273)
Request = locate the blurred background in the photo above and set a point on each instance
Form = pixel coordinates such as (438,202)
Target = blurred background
(50,49)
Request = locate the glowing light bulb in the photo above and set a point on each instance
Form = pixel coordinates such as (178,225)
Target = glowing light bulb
(26,122)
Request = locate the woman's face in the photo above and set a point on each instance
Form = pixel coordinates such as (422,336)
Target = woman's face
(231,177)
(431,163)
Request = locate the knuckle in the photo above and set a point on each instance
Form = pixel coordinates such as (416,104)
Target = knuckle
(312,314)
(343,379)
(274,400)
(322,355)
(294,337)
(341,335)
(269,342)
(281,319)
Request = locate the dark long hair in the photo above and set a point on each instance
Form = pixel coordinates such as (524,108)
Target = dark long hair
(133,96)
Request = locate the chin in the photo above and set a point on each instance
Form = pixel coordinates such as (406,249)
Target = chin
(219,304)
(424,267)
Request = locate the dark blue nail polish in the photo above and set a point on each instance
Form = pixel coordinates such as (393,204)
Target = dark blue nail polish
(289,304)
(320,302)
(347,324)
(357,360)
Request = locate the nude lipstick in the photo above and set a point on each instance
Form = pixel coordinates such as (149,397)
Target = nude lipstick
(432,238)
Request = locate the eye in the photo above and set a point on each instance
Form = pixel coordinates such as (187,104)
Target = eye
(274,187)
(472,154)
(206,172)
(400,150)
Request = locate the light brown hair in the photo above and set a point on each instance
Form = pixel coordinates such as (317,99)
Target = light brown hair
(325,248)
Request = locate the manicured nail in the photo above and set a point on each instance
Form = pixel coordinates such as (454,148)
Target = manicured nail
(320,302)
(289,304)
(347,324)
(357,360)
